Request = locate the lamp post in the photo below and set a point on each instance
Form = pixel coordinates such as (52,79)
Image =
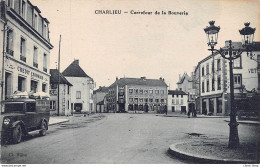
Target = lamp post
(230,53)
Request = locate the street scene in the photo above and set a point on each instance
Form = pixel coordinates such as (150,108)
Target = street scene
(95,82)
(120,139)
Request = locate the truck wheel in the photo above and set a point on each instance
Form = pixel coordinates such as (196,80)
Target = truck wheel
(17,134)
(43,128)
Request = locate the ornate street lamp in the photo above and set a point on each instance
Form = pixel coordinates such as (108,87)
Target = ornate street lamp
(230,53)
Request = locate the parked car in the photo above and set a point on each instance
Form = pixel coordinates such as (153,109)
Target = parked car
(23,115)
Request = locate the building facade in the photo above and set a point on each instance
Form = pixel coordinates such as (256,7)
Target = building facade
(186,84)
(214,80)
(137,95)
(98,98)
(82,89)
(25,48)
(60,91)
(177,101)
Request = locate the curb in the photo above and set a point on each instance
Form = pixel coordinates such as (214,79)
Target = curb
(185,116)
(58,122)
(245,122)
(202,159)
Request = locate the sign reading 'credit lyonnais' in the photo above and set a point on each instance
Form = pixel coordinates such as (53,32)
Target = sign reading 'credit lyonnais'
(28,72)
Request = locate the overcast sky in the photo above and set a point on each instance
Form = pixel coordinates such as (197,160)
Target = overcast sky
(110,46)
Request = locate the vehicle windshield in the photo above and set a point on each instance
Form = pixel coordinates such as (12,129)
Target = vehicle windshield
(13,108)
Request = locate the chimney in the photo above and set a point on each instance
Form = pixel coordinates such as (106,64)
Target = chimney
(76,61)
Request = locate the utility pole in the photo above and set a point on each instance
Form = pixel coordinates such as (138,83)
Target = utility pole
(59,79)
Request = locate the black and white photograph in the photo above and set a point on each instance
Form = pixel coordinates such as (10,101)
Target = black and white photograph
(130,82)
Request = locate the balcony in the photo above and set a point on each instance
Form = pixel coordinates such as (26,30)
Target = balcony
(10,52)
(23,58)
(44,69)
(35,64)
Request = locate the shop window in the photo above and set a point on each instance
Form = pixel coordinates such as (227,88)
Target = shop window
(21,84)
(219,105)
(44,87)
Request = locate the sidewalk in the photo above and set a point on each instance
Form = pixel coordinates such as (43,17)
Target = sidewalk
(198,115)
(57,120)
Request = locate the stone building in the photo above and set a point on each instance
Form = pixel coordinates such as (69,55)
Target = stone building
(177,101)
(25,48)
(98,97)
(82,89)
(214,80)
(59,89)
(137,95)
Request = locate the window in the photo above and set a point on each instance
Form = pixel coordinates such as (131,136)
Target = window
(53,105)
(21,83)
(157,100)
(156,91)
(9,43)
(172,95)
(162,100)
(22,50)
(173,101)
(30,107)
(136,91)
(68,104)
(218,65)
(78,95)
(9,3)
(202,71)
(130,99)
(145,91)
(202,85)
(136,100)
(35,21)
(45,62)
(212,67)
(237,80)
(181,101)
(151,91)
(162,91)
(141,100)
(219,83)
(151,100)
(35,57)
(207,69)
(23,9)
(213,84)
(44,31)
(177,101)
(44,87)
(181,96)
(207,85)
(237,63)
(68,91)
(141,91)
(34,86)
(130,90)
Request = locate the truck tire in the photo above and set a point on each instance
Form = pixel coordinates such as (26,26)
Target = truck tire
(43,128)
(17,134)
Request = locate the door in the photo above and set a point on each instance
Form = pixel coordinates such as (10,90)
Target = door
(173,109)
(204,108)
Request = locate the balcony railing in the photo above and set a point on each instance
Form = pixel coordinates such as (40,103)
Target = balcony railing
(35,64)
(23,58)
(10,52)
(44,69)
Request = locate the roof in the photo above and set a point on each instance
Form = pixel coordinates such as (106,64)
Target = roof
(176,92)
(101,102)
(139,81)
(181,79)
(74,70)
(54,78)
(101,89)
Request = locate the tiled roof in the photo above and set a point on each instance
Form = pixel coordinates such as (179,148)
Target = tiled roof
(74,70)
(176,92)
(54,78)
(101,89)
(139,81)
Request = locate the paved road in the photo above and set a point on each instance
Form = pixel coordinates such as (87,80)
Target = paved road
(117,138)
